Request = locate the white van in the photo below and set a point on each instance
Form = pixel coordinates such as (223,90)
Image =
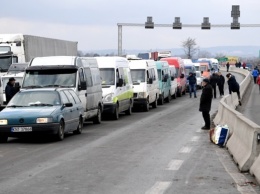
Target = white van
(79,73)
(145,80)
(117,85)
(174,85)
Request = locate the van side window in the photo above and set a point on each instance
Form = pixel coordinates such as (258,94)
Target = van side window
(64,98)
(74,95)
(71,99)
(89,77)
(117,76)
(81,75)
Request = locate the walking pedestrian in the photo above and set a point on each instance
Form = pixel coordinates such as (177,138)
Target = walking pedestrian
(258,81)
(221,82)
(233,86)
(255,74)
(244,65)
(192,84)
(205,103)
(10,90)
(213,82)
(227,65)
(236,64)
(239,64)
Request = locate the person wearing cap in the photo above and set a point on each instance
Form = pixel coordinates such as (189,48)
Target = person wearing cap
(10,90)
(205,102)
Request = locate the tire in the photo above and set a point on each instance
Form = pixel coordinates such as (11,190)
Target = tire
(168,99)
(174,95)
(147,106)
(97,119)
(161,100)
(179,93)
(3,138)
(80,127)
(154,104)
(129,110)
(116,113)
(60,134)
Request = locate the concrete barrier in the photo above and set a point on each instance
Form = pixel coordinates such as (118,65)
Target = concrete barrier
(242,144)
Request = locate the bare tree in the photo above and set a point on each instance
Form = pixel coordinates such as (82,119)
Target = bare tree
(219,55)
(189,47)
(204,54)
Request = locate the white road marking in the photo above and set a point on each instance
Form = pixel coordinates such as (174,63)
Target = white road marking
(195,138)
(159,188)
(185,150)
(174,165)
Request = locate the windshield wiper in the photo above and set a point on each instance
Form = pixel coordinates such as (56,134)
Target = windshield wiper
(14,106)
(33,86)
(41,104)
(55,85)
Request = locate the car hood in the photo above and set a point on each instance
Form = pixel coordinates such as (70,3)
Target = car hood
(27,111)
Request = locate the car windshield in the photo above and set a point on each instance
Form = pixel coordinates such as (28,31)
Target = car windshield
(35,98)
(107,76)
(5,63)
(53,77)
(138,75)
(203,68)
(187,71)
(16,68)
(197,68)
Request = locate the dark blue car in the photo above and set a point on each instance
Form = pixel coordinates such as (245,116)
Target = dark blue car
(42,111)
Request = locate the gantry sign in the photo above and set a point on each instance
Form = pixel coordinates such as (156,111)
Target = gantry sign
(205,25)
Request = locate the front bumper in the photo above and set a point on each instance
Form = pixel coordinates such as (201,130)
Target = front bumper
(140,101)
(109,108)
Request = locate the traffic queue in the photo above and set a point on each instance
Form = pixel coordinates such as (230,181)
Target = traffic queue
(57,94)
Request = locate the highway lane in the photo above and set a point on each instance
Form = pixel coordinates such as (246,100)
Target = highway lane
(160,151)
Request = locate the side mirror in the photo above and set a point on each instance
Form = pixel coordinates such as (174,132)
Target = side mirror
(68,104)
(120,82)
(150,81)
(172,78)
(82,86)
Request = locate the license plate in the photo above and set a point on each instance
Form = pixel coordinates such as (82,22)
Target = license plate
(21,129)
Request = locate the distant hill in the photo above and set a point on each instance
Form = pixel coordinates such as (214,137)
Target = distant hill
(240,51)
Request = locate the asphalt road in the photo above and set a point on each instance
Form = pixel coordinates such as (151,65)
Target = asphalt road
(155,152)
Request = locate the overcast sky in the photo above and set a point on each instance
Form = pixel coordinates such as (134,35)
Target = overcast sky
(93,23)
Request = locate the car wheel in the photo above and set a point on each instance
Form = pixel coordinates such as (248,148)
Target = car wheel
(168,99)
(116,113)
(180,92)
(97,119)
(174,95)
(155,103)
(147,106)
(129,110)
(60,134)
(80,127)
(3,138)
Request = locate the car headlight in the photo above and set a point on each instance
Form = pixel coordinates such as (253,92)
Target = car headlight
(3,122)
(108,98)
(43,120)
(141,95)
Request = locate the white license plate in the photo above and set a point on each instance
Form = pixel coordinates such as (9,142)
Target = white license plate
(21,129)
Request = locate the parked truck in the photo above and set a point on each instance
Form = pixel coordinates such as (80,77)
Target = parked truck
(19,48)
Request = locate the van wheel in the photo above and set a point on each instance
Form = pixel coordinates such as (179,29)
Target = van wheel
(60,134)
(154,104)
(79,128)
(161,100)
(3,138)
(97,119)
(129,110)
(180,92)
(147,106)
(168,99)
(174,95)
(116,113)
(184,91)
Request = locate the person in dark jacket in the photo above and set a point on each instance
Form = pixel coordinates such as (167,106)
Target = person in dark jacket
(227,65)
(192,84)
(239,64)
(255,74)
(213,82)
(221,82)
(205,102)
(233,86)
(10,90)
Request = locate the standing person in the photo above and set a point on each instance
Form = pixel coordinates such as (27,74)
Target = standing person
(255,74)
(221,82)
(236,64)
(258,81)
(213,82)
(239,64)
(233,86)
(227,65)
(244,65)
(205,103)
(10,90)
(192,84)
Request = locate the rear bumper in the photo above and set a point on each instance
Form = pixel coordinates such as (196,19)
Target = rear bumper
(50,128)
